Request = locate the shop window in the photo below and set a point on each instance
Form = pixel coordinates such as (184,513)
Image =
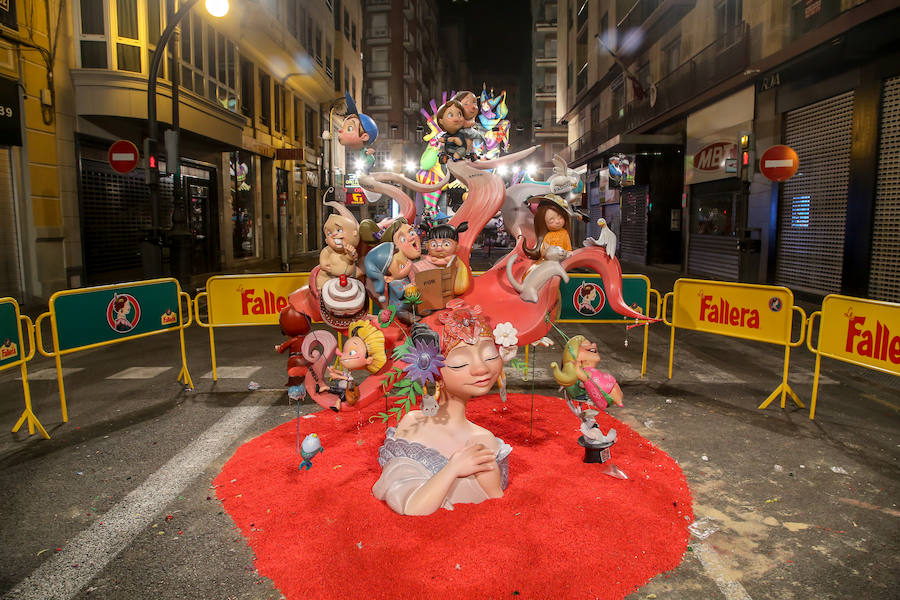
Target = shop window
(247,88)
(714,214)
(671,56)
(265,99)
(328,70)
(242,205)
(310,128)
(279,97)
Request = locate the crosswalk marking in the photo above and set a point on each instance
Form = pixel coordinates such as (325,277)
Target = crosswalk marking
(49,374)
(233,372)
(140,373)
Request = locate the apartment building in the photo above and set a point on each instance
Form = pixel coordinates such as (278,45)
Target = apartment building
(545,127)
(404,70)
(255,90)
(667,84)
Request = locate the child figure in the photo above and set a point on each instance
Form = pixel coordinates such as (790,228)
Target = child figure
(586,385)
(583,382)
(551,226)
(357,132)
(469,103)
(388,271)
(442,241)
(339,255)
(457,138)
(364,349)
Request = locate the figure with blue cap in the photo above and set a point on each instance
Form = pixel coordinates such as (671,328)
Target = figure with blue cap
(358,132)
(388,270)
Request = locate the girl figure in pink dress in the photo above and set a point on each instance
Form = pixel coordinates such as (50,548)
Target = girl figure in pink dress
(582,380)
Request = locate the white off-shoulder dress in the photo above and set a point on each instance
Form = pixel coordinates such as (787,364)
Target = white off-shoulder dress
(407,466)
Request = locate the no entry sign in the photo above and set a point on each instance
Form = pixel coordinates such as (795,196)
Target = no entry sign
(123,156)
(779,163)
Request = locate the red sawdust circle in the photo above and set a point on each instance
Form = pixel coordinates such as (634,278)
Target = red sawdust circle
(562,530)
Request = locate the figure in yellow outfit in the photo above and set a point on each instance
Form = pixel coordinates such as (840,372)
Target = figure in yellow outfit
(551,226)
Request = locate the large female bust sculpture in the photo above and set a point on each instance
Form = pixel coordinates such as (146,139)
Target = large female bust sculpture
(440,459)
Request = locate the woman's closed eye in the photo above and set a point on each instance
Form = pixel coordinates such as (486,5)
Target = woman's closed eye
(457,366)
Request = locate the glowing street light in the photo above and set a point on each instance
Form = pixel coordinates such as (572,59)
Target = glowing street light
(502,170)
(530,169)
(389,164)
(360,165)
(217,8)
(410,166)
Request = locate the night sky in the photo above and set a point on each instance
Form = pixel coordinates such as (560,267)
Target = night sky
(498,43)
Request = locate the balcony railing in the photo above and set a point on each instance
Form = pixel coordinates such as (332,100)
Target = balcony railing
(637,14)
(724,58)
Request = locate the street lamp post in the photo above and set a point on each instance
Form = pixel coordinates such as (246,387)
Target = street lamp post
(152,248)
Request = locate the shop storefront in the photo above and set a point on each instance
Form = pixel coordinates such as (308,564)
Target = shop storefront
(884,276)
(716,193)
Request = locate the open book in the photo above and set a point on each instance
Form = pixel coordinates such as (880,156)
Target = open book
(435,285)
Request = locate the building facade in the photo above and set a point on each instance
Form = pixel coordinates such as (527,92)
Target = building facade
(255,91)
(692,93)
(404,70)
(545,127)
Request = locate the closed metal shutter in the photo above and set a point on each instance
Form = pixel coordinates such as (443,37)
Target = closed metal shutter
(714,256)
(884,278)
(115,217)
(814,201)
(10,256)
(632,241)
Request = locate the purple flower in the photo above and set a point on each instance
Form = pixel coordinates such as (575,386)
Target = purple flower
(424,361)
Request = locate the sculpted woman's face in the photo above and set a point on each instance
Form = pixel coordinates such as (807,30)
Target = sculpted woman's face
(472,369)
(588,355)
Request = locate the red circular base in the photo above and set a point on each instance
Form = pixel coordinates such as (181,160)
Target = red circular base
(562,530)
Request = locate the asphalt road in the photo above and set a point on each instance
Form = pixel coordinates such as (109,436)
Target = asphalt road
(118,503)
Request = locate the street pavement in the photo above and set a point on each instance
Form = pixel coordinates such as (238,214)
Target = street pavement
(119,503)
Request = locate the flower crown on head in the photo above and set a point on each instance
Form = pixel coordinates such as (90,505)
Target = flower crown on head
(462,323)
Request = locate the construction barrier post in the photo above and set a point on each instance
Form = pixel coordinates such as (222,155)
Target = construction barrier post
(12,354)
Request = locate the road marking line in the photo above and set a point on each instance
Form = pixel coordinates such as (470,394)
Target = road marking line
(709,558)
(140,373)
(875,398)
(49,374)
(233,372)
(96,546)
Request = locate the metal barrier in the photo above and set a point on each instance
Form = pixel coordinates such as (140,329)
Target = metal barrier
(857,331)
(92,317)
(244,300)
(12,354)
(583,300)
(762,313)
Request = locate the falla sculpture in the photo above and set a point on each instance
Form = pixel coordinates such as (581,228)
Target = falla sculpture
(435,336)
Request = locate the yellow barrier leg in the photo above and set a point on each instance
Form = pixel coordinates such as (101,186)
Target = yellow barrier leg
(783,388)
(671,350)
(815,393)
(62,389)
(28,412)
(644,357)
(184,375)
(212,352)
(526,354)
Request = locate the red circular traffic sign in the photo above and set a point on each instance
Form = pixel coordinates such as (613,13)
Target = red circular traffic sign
(779,163)
(123,156)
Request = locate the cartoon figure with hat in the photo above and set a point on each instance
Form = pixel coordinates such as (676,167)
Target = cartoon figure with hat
(357,132)
(551,226)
